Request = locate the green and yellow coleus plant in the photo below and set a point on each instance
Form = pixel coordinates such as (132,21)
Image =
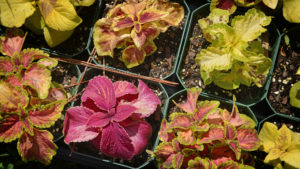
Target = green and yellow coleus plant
(29,100)
(56,19)
(235,55)
(282,145)
(206,136)
(132,26)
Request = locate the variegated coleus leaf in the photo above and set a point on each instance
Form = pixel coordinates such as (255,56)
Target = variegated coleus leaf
(192,97)
(38,146)
(11,128)
(248,139)
(6,66)
(222,154)
(200,163)
(12,42)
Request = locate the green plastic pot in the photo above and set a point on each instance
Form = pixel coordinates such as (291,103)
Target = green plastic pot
(175,60)
(281,39)
(84,155)
(279,118)
(202,12)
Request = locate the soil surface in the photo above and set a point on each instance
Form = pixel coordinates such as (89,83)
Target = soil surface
(78,40)
(154,120)
(189,71)
(161,63)
(284,76)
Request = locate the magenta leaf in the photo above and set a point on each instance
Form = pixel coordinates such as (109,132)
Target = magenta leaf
(37,147)
(75,129)
(101,90)
(248,139)
(6,66)
(116,143)
(100,119)
(10,128)
(123,112)
(12,42)
(123,88)
(147,101)
(192,97)
(139,132)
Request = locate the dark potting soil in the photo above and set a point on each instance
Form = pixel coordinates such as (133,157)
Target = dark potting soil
(77,42)
(284,76)
(161,63)
(154,120)
(190,71)
(64,74)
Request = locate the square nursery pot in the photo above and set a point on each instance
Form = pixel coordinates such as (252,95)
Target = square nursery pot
(78,43)
(284,75)
(87,154)
(188,72)
(160,64)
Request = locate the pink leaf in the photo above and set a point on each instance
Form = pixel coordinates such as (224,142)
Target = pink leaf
(139,132)
(192,97)
(248,139)
(204,108)
(186,137)
(28,55)
(10,128)
(14,81)
(147,101)
(101,90)
(214,133)
(163,132)
(233,117)
(12,42)
(6,66)
(123,23)
(234,146)
(116,143)
(75,129)
(100,119)
(37,147)
(56,94)
(123,111)
(39,78)
(28,127)
(123,88)
(180,121)
(177,160)
(151,15)
(230,131)
(222,154)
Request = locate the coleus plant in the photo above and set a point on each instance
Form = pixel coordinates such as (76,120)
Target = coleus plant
(112,117)
(29,101)
(282,145)
(235,55)
(132,26)
(204,135)
(56,19)
(231,5)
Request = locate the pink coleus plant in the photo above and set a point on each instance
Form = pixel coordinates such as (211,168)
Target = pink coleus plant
(112,117)
(205,136)
(29,101)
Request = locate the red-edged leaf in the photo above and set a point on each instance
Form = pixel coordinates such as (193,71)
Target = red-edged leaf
(123,111)
(75,129)
(101,90)
(10,128)
(234,146)
(192,97)
(132,56)
(28,55)
(100,119)
(163,133)
(186,137)
(230,131)
(222,154)
(248,139)
(139,132)
(204,108)
(151,15)
(147,101)
(12,42)
(214,133)
(39,78)
(177,160)
(123,88)
(6,66)
(46,116)
(180,121)
(116,143)
(37,147)
(11,97)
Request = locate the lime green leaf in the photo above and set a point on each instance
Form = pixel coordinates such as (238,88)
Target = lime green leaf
(54,37)
(59,15)
(271,3)
(267,136)
(246,3)
(273,155)
(295,95)
(298,71)
(291,10)
(82,2)
(13,13)
(292,157)
(35,22)
(284,139)
(250,26)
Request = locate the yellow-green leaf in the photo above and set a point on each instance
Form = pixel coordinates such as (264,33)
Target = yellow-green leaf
(298,71)
(291,10)
(273,155)
(35,22)
(267,136)
(82,2)
(13,13)
(271,3)
(284,138)
(54,37)
(59,15)
(292,157)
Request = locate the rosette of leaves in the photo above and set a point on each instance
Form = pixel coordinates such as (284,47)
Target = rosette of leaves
(29,101)
(204,135)
(235,55)
(112,117)
(56,19)
(132,26)
(282,145)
